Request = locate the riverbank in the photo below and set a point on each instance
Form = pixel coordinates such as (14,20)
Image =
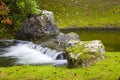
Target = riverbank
(73,28)
(78,14)
(5,35)
(107,69)
(83,13)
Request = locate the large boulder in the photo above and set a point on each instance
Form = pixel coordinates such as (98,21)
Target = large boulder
(38,26)
(84,53)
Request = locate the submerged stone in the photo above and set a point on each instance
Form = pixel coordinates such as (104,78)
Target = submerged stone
(84,53)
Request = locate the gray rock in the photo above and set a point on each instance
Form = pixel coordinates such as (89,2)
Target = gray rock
(37,26)
(84,53)
(64,39)
(72,36)
(60,42)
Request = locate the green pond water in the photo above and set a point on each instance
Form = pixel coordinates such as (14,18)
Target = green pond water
(110,38)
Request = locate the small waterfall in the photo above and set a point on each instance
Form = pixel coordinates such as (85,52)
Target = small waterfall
(29,53)
(47,51)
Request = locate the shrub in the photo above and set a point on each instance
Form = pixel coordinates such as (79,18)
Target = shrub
(19,10)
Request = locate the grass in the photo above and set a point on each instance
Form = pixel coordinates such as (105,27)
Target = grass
(107,69)
(80,13)
(84,13)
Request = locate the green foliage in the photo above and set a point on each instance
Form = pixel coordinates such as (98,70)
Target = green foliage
(19,10)
(4,20)
(28,6)
(107,69)
(4,11)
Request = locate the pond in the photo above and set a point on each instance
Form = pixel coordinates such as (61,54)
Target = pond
(110,38)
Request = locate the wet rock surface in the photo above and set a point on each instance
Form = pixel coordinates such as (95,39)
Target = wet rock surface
(59,42)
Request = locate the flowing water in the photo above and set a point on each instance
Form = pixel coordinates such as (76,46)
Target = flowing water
(16,52)
(24,52)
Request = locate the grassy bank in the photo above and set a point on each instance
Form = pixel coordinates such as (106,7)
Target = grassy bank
(84,13)
(71,13)
(107,69)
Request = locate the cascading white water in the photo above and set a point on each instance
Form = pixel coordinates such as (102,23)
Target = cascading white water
(30,53)
(47,51)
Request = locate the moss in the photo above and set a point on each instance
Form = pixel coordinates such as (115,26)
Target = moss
(85,53)
(81,48)
(75,49)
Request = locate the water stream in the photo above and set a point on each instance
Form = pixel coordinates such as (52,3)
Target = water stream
(24,52)
(16,52)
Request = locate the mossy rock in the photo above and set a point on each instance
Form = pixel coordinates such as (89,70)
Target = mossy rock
(84,53)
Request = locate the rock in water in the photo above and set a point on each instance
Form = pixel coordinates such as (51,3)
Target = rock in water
(64,39)
(60,42)
(38,26)
(84,53)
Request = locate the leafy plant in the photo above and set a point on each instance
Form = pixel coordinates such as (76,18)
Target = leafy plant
(28,6)
(19,10)
(4,10)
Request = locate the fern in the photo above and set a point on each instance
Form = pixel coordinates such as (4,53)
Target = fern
(28,6)
(18,11)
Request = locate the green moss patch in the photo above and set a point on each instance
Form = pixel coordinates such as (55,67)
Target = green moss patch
(80,48)
(84,53)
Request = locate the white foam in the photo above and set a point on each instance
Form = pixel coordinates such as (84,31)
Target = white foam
(30,53)
(26,55)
